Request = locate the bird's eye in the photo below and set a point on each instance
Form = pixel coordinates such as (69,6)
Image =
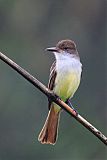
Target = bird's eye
(65,48)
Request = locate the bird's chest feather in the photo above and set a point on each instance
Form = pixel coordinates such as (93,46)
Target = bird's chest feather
(68,78)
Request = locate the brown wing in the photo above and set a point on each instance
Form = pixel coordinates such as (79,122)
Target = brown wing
(52,79)
(52,76)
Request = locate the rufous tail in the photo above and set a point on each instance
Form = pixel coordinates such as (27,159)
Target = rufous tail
(49,132)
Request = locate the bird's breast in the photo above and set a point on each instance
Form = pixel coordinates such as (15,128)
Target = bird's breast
(67,79)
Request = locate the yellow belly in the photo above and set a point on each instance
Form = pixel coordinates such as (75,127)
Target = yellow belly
(67,78)
(66,85)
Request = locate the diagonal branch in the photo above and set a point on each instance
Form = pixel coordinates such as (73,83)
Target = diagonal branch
(53,97)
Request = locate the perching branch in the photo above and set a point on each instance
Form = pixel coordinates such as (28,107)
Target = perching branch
(53,97)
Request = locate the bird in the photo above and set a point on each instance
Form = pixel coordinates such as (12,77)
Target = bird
(64,80)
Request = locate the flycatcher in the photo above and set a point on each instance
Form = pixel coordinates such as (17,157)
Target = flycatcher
(65,75)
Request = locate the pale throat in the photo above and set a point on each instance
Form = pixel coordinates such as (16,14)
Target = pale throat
(66,61)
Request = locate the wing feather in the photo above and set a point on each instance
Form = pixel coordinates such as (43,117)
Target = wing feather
(52,78)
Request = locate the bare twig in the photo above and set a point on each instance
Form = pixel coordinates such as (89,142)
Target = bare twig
(53,97)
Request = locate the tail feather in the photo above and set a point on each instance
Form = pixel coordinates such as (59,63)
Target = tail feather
(49,132)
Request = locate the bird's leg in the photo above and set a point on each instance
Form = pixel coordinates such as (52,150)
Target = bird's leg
(68,102)
(57,97)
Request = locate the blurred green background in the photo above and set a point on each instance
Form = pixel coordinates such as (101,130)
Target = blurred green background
(27,27)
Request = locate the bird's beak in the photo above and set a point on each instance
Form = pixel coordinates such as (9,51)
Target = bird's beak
(52,49)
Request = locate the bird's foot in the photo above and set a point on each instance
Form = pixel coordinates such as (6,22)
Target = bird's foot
(57,97)
(68,102)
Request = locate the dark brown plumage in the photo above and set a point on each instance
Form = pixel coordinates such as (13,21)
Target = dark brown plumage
(66,44)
